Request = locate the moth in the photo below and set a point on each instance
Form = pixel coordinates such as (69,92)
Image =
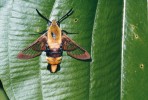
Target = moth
(54,41)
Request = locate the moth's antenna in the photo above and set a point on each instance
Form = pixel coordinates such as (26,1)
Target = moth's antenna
(58,22)
(70,12)
(48,21)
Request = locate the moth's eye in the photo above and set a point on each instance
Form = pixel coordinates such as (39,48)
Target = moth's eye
(58,24)
(49,23)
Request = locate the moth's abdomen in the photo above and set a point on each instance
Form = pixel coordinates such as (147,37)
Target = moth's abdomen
(53,62)
(54,57)
(55,52)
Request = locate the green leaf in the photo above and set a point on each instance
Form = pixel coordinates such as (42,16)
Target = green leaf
(106,50)
(3,95)
(113,32)
(134,51)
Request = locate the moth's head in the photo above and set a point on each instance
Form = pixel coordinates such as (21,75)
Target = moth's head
(53,23)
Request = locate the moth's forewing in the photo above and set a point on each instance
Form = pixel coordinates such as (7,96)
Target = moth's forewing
(35,49)
(73,49)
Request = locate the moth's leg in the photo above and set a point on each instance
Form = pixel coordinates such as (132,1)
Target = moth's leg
(63,31)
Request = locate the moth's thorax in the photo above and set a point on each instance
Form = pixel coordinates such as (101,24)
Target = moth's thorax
(54,45)
(54,29)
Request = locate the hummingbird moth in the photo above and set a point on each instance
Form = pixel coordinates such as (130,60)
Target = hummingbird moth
(54,41)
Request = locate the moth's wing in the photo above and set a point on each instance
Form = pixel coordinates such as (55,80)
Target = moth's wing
(73,49)
(35,49)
